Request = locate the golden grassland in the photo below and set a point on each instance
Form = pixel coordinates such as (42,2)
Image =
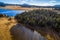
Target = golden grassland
(23,8)
(18,8)
(5,26)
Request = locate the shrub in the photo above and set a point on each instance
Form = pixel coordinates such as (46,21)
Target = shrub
(3,15)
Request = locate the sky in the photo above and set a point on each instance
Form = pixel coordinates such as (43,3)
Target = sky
(33,2)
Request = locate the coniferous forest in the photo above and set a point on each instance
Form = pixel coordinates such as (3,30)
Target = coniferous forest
(40,18)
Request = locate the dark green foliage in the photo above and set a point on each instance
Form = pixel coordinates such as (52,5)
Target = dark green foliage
(40,18)
(3,15)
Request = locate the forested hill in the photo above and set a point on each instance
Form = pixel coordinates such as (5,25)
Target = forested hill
(46,22)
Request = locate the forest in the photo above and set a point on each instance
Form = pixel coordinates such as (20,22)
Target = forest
(40,18)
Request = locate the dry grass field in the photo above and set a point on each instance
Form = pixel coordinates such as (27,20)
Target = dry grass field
(5,26)
(18,8)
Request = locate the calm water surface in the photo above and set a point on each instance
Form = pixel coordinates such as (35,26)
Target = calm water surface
(10,12)
(20,32)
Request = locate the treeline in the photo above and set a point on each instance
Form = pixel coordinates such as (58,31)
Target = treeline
(40,18)
(57,8)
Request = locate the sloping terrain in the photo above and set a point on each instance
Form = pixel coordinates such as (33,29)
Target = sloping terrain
(5,25)
(46,22)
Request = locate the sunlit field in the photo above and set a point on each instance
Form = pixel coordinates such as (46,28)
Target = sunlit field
(5,25)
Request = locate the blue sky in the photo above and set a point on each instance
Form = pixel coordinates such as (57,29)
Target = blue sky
(33,2)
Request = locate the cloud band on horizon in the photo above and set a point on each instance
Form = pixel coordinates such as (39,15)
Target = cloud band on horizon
(33,2)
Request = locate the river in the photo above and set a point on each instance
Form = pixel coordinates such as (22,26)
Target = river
(20,32)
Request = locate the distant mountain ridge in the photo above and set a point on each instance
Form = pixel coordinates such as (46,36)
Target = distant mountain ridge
(57,5)
(2,4)
(27,5)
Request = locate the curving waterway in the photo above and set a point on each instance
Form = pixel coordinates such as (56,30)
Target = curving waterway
(19,32)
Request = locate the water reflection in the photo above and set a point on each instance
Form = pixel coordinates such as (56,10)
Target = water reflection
(20,32)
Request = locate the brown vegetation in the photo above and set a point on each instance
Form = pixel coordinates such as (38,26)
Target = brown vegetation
(18,8)
(5,26)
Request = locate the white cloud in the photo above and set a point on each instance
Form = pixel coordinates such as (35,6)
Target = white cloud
(52,1)
(43,4)
(23,1)
(34,2)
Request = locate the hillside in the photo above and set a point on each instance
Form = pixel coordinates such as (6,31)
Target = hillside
(45,22)
(5,25)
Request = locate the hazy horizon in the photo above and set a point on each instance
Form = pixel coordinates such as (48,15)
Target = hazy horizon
(33,2)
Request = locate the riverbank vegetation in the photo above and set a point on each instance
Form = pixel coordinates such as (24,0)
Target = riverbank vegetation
(38,19)
(3,15)
(5,25)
